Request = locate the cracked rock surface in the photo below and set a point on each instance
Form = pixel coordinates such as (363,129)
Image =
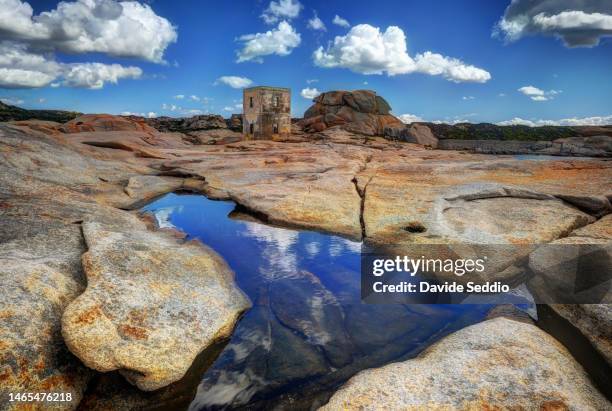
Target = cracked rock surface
(63,196)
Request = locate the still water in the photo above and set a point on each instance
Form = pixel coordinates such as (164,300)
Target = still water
(307,331)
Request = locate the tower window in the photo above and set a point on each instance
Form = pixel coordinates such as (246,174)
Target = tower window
(275,101)
(251,103)
(251,128)
(275,128)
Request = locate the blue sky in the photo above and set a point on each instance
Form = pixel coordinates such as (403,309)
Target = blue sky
(557,80)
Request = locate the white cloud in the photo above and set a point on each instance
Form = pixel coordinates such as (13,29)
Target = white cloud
(501,95)
(309,93)
(280,41)
(232,109)
(467,98)
(150,114)
(19,78)
(315,23)
(367,50)
(584,121)
(537,94)
(234,81)
(310,81)
(339,21)
(20,68)
(28,41)
(450,68)
(12,101)
(410,118)
(171,107)
(576,23)
(126,29)
(282,9)
(193,97)
(179,96)
(95,75)
(42,100)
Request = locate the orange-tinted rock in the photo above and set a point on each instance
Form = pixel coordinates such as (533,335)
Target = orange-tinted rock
(499,364)
(47,127)
(105,122)
(360,111)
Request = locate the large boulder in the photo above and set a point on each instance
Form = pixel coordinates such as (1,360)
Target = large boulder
(151,304)
(234,123)
(497,364)
(105,122)
(359,111)
(412,133)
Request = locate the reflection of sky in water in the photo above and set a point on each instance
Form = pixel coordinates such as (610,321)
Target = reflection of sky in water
(307,331)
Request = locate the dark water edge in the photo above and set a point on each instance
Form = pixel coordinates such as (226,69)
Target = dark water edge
(307,332)
(579,346)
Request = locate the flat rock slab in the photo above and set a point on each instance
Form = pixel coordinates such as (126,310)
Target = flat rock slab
(151,305)
(497,364)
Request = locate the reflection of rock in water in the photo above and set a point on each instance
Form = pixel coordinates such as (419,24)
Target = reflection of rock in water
(110,391)
(262,356)
(318,317)
(298,343)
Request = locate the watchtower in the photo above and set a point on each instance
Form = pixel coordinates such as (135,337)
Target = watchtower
(266,112)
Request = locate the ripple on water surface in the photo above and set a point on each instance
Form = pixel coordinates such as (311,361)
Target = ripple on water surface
(307,331)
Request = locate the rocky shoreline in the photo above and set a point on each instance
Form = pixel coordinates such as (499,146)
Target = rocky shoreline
(93,287)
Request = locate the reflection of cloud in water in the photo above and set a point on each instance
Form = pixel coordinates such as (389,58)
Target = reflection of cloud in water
(313,248)
(278,254)
(316,332)
(231,387)
(162,216)
(340,245)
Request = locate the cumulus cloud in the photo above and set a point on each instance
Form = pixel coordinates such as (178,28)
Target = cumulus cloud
(281,10)
(450,68)
(410,118)
(179,96)
(577,23)
(280,41)
(20,68)
(339,21)
(315,23)
(126,29)
(537,94)
(467,98)
(584,121)
(28,42)
(95,75)
(234,81)
(313,80)
(309,93)
(367,50)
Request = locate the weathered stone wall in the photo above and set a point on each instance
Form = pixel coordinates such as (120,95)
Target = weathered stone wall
(268,110)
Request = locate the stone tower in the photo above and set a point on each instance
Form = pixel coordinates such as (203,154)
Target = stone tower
(267,112)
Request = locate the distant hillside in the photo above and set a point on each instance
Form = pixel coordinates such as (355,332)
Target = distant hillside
(487,131)
(10,113)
